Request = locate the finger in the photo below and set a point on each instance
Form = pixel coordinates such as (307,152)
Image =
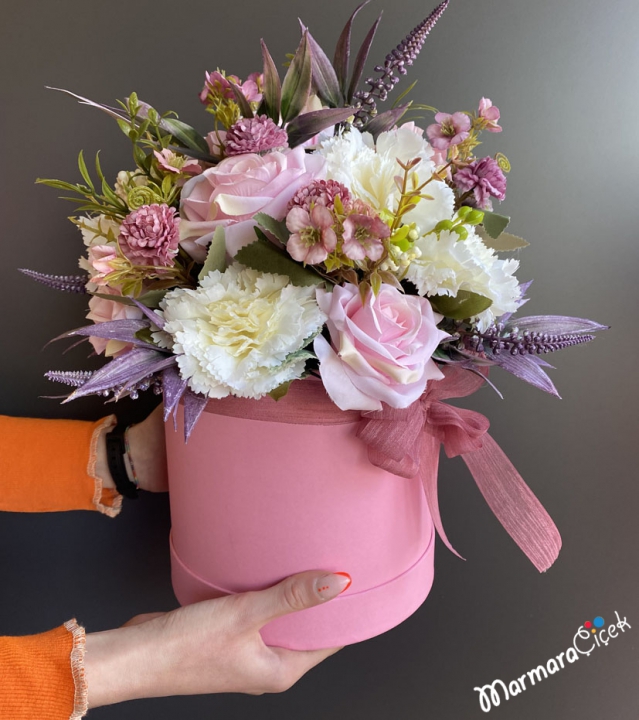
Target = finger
(297,592)
(139,619)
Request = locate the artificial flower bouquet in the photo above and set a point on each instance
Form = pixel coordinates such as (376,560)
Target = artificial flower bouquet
(306,285)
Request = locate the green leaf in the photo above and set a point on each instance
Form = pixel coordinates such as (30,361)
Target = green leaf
(276,227)
(467,304)
(84,172)
(297,82)
(280,391)
(145,334)
(185,134)
(495,224)
(216,258)
(152,298)
(272,88)
(504,243)
(263,256)
(116,298)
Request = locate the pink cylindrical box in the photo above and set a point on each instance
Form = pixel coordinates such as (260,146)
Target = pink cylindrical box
(258,493)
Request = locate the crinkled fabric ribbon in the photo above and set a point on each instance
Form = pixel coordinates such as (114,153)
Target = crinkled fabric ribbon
(404,442)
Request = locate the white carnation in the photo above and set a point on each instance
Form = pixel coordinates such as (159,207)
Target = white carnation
(97,229)
(448,265)
(369,170)
(236,333)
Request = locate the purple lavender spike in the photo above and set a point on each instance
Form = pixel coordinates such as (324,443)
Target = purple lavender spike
(156,319)
(75,378)
(194,405)
(65,283)
(396,61)
(173,387)
(124,371)
(525,368)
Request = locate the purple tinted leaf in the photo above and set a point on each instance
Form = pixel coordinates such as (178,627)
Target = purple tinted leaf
(385,121)
(113,112)
(127,369)
(525,368)
(306,126)
(540,361)
(557,324)
(360,60)
(323,74)
(194,405)
(156,319)
(123,330)
(65,283)
(343,50)
(243,103)
(173,387)
(272,88)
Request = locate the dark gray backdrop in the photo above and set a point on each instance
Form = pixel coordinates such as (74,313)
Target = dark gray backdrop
(564,74)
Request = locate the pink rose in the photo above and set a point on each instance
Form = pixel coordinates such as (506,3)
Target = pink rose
(100,259)
(380,351)
(231,193)
(103,310)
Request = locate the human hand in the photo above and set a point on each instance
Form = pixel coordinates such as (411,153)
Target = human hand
(209,647)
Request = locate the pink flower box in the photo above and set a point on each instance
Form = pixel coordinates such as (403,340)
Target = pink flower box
(255,500)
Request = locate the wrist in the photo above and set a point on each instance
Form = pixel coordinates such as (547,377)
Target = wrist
(119,666)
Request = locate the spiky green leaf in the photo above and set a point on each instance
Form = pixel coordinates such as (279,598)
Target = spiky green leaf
(297,82)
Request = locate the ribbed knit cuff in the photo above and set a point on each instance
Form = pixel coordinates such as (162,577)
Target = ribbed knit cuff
(106,500)
(81,698)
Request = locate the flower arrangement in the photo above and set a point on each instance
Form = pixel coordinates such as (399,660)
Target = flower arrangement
(311,232)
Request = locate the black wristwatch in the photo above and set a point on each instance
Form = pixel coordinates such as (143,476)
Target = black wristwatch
(116,450)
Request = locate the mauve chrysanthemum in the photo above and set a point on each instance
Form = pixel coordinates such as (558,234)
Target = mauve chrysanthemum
(448,130)
(485,178)
(150,235)
(321,192)
(255,135)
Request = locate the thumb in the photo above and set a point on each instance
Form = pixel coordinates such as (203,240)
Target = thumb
(298,592)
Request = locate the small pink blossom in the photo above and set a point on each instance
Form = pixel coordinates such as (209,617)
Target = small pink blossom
(313,235)
(100,259)
(490,114)
(255,135)
(321,192)
(485,178)
(103,310)
(448,130)
(217,85)
(363,235)
(216,140)
(179,164)
(150,236)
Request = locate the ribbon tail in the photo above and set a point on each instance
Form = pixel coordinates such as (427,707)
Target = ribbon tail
(514,504)
(428,471)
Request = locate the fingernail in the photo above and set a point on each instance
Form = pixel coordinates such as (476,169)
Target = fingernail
(331,585)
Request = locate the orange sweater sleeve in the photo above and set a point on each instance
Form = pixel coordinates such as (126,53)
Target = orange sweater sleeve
(42,676)
(50,465)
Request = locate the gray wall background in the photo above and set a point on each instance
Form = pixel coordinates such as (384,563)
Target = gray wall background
(564,74)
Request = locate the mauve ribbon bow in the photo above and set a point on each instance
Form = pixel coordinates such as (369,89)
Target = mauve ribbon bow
(406,443)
